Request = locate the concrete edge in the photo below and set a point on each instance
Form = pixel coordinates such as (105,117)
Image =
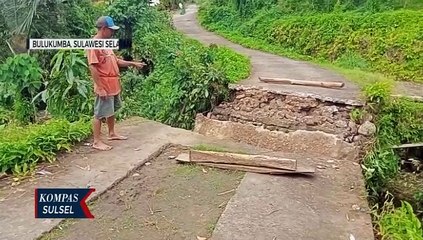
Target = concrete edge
(116,182)
(299,94)
(231,130)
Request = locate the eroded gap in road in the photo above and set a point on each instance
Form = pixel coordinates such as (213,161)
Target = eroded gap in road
(291,122)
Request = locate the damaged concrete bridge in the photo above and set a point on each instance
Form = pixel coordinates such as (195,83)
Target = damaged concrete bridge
(312,128)
(310,124)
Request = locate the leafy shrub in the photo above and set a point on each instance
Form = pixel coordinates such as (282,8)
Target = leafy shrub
(235,66)
(188,78)
(184,83)
(398,121)
(5,116)
(20,81)
(68,91)
(305,6)
(38,142)
(386,42)
(400,223)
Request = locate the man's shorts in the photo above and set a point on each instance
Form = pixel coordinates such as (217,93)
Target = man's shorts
(105,107)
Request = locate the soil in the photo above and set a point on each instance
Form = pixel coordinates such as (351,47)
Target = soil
(161,200)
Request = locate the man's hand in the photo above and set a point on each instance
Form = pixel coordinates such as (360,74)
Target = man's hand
(123,63)
(138,64)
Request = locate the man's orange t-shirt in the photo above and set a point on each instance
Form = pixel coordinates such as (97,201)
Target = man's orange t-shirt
(105,61)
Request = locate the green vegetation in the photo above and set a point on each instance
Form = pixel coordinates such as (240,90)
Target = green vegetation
(183,77)
(235,66)
(398,121)
(355,43)
(188,78)
(399,223)
(22,146)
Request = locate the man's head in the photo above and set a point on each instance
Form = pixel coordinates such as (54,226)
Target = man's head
(106,27)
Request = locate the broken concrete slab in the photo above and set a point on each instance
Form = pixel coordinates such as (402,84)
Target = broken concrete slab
(312,143)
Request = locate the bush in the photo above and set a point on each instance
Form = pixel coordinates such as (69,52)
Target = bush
(400,223)
(236,67)
(38,142)
(20,81)
(188,78)
(398,121)
(387,42)
(68,90)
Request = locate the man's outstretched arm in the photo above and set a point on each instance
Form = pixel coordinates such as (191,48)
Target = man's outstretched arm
(123,63)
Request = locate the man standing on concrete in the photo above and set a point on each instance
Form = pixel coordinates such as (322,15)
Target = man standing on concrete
(104,68)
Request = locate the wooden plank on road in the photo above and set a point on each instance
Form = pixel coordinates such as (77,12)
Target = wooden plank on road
(243,159)
(263,170)
(244,162)
(324,84)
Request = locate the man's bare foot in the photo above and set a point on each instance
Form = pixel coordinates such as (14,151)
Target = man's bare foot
(116,137)
(102,146)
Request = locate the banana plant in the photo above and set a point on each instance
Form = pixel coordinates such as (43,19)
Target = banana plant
(68,91)
(20,15)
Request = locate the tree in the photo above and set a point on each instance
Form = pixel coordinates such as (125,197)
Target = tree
(19,16)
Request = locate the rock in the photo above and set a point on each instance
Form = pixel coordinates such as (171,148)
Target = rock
(368,117)
(240,96)
(328,111)
(348,139)
(353,127)
(280,104)
(367,129)
(357,138)
(355,207)
(309,120)
(273,105)
(271,128)
(291,116)
(341,124)
(254,103)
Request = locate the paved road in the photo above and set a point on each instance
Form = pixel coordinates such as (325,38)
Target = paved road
(269,65)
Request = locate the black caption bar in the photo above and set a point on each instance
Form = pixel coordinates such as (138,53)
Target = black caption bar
(123,43)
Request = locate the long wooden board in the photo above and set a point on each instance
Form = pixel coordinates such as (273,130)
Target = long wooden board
(243,159)
(409,145)
(263,170)
(225,164)
(324,84)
